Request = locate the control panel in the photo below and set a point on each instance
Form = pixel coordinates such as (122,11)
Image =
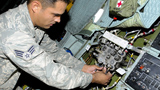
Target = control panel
(146,74)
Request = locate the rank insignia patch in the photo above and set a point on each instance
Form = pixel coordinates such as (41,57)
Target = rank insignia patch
(25,55)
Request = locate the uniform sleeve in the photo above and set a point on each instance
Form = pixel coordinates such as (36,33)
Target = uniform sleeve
(24,52)
(60,54)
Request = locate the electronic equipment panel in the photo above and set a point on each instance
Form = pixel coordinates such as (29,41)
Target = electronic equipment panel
(146,74)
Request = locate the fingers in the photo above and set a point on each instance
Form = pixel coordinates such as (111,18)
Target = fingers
(107,78)
(109,75)
(104,70)
(93,72)
(101,78)
(98,68)
(101,75)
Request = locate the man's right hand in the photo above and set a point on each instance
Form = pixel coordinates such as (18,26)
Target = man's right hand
(101,78)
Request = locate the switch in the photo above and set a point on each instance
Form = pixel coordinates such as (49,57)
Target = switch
(141,67)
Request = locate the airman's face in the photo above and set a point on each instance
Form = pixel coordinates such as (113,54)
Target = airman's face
(50,15)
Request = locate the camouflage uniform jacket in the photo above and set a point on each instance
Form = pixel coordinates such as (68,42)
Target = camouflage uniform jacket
(22,46)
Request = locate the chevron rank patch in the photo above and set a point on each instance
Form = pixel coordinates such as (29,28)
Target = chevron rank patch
(25,55)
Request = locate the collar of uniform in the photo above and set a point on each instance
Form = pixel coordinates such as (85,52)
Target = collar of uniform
(24,10)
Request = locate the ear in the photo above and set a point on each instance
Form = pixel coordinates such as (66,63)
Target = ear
(36,6)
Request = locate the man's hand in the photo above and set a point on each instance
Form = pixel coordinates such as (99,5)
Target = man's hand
(91,68)
(99,74)
(101,78)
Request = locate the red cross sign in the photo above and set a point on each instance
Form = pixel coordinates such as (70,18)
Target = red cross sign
(119,3)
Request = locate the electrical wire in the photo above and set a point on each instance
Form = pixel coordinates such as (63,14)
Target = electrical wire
(132,39)
(132,57)
(114,84)
(129,60)
(131,32)
(135,37)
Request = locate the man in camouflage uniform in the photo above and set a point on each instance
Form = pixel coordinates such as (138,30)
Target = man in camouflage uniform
(23,45)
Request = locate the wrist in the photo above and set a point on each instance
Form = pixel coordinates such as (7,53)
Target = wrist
(84,67)
(93,78)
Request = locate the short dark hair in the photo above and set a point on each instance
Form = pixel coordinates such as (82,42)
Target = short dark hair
(47,3)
